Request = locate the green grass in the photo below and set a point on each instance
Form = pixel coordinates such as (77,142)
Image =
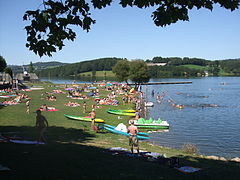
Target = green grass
(99,74)
(191,66)
(74,151)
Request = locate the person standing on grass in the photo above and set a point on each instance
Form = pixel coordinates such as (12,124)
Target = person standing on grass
(41,125)
(137,114)
(123,99)
(133,140)
(84,107)
(28,106)
(93,117)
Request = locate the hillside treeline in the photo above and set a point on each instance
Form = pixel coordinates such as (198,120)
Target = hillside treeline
(177,61)
(173,71)
(175,67)
(178,67)
(103,64)
(231,66)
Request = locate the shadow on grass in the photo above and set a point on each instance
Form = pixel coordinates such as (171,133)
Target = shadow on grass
(64,159)
(54,134)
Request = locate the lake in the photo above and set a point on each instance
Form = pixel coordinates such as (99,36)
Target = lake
(210,117)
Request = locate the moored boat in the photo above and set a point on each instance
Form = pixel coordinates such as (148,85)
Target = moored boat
(80,118)
(114,127)
(148,104)
(113,130)
(142,123)
(122,112)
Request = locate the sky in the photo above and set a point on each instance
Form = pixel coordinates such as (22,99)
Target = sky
(127,33)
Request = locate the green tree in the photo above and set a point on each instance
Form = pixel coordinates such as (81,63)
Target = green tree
(31,68)
(138,72)
(9,71)
(3,64)
(93,73)
(121,69)
(215,70)
(105,75)
(52,23)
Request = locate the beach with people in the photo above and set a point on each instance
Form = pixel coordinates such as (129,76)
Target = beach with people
(69,139)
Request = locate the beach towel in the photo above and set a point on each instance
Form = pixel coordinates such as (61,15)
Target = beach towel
(188,169)
(3,168)
(53,110)
(50,109)
(25,142)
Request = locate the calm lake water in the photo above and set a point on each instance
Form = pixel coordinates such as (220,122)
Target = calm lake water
(210,117)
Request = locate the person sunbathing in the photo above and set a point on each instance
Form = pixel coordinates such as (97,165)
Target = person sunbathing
(43,107)
(51,98)
(72,104)
(57,91)
(12,102)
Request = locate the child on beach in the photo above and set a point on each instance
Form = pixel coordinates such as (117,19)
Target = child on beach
(28,106)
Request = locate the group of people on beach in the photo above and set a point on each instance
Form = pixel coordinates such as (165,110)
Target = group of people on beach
(17,98)
(42,123)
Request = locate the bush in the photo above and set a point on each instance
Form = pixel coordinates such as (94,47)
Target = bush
(190,148)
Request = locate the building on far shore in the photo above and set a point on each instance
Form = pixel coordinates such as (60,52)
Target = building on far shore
(5,78)
(29,77)
(156,64)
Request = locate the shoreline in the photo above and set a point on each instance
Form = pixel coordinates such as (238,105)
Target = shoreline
(213,157)
(73,149)
(52,85)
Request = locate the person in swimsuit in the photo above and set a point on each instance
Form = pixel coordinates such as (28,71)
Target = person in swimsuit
(28,106)
(133,140)
(137,115)
(84,107)
(41,125)
(93,117)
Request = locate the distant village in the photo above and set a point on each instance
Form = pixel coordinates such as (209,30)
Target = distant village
(6,81)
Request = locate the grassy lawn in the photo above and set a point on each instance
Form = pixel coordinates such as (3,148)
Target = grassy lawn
(74,151)
(191,66)
(99,74)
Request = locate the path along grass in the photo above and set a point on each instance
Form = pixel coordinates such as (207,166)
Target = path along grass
(74,151)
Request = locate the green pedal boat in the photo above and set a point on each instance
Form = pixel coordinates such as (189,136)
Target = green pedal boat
(142,123)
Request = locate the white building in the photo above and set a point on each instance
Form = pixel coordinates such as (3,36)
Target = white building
(156,64)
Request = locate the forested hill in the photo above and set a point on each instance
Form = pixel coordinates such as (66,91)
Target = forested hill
(103,64)
(176,67)
(177,61)
(37,66)
(46,65)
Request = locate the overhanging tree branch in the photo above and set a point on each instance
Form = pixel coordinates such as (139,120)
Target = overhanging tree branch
(50,26)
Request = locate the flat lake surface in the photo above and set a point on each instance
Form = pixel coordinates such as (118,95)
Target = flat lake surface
(210,117)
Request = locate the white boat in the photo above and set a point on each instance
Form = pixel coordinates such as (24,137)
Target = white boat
(148,104)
